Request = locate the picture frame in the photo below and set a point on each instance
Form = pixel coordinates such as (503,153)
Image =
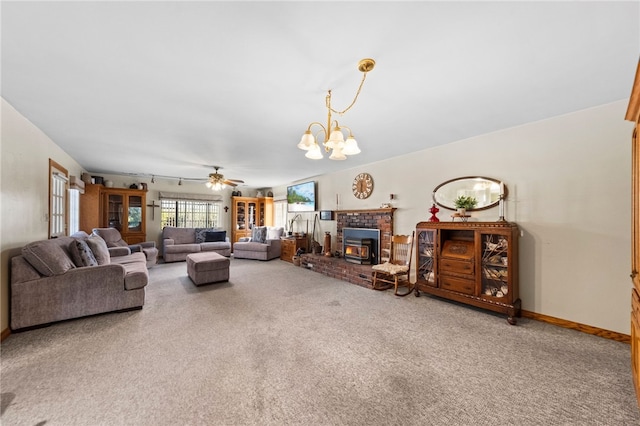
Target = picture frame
(326,215)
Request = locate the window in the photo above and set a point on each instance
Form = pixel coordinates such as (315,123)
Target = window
(58,177)
(189,213)
(280,210)
(74,211)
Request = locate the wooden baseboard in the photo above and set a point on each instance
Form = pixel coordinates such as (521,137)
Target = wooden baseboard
(5,333)
(624,338)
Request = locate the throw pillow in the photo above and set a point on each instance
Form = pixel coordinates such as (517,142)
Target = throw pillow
(201,234)
(99,249)
(259,234)
(274,233)
(47,257)
(81,254)
(215,236)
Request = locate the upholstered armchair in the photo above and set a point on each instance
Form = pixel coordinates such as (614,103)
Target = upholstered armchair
(264,244)
(119,247)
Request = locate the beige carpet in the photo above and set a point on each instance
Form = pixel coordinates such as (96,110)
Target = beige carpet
(281,345)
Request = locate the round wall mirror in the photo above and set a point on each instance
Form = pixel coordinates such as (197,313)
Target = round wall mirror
(485,190)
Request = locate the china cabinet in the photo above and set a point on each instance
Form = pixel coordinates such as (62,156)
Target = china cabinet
(119,208)
(475,263)
(247,212)
(633,114)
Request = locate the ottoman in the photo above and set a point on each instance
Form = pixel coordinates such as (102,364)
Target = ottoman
(207,267)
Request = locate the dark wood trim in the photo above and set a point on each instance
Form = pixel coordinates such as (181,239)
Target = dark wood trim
(624,338)
(5,333)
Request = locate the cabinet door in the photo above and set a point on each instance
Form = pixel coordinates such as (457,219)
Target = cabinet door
(134,213)
(635,209)
(251,213)
(425,252)
(240,215)
(261,208)
(114,212)
(494,266)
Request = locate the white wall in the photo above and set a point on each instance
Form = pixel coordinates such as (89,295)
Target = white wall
(24,184)
(569,182)
(569,191)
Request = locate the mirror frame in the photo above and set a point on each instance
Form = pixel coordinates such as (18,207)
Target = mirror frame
(452,206)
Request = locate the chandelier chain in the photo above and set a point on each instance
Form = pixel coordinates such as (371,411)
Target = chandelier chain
(328,99)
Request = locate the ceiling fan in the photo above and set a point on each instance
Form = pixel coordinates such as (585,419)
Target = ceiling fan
(217,181)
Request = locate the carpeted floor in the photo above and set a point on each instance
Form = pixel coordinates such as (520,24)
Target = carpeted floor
(281,345)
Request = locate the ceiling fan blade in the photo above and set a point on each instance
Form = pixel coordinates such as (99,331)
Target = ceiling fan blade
(228,182)
(235,180)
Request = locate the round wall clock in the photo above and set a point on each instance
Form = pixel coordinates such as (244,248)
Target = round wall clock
(362,186)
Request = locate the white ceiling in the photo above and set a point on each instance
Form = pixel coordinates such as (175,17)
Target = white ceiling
(170,88)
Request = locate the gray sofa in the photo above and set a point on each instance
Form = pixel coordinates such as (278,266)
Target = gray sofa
(60,279)
(177,243)
(264,244)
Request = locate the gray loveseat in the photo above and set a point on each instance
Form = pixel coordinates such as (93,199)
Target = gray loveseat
(177,243)
(60,279)
(264,244)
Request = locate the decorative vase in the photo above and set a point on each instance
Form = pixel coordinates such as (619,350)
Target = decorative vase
(462,211)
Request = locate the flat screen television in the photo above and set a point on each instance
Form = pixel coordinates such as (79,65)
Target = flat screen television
(301,197)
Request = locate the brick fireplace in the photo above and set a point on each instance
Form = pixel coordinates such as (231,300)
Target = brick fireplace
(339,268)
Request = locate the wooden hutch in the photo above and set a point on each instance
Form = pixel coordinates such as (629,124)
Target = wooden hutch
(470,262)
(120,208)
(247,212)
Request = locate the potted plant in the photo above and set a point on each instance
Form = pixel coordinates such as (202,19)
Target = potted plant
(464,203)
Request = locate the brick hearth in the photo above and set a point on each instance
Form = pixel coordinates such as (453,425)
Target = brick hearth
(339,268)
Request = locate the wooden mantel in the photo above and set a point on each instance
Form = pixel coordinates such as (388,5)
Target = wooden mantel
(381,210)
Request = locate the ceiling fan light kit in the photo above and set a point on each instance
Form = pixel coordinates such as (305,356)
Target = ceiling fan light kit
(217,181)
(333,138)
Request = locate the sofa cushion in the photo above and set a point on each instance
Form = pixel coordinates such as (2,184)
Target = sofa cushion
(81,254)
(215,236)
(99,249)
(251,246)
(259,234)
(47,257)
(182,248)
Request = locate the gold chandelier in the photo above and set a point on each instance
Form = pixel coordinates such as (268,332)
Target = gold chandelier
(333,136)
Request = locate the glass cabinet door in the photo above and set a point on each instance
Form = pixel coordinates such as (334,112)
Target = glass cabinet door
(426,246)
(240,215)
(251,211)
(134,213)
(115,205)
(261,210)
(495,266)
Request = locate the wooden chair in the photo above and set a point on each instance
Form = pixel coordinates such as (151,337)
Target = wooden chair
(397,270)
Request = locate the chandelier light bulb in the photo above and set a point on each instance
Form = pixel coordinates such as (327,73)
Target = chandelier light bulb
(337,154)
(307,141)
(351,147)
(314,153)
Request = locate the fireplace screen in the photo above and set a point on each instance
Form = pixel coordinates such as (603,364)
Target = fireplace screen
(358,250)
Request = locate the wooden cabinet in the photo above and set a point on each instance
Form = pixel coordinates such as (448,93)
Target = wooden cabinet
(633,114)
(470,262)
(120,208)
(290,246)
(247,212)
